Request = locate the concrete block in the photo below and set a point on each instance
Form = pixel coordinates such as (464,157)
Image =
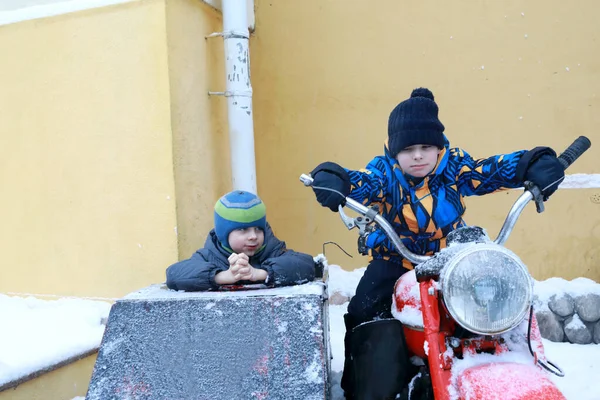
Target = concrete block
(258,344)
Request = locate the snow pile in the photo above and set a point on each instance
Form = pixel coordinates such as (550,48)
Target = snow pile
(37,334)
(342,284)
(544,290)
(575,323)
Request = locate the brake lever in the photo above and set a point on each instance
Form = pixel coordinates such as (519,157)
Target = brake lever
(349,222)
(538,197)
(359,222)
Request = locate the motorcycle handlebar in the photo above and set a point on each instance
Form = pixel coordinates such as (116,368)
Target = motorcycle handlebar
(568,157)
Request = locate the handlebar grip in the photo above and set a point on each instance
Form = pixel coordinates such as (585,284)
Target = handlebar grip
(576,149)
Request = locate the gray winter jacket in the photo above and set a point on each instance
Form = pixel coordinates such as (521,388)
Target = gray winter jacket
(284,267)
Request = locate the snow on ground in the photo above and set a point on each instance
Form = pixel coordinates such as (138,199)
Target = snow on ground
(581,365)
(343,282)
(45,332)
(38,333)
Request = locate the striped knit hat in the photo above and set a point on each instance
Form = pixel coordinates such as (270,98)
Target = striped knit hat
(237,210)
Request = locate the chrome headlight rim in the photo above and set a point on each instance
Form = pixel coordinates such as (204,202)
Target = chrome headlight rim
(455,262)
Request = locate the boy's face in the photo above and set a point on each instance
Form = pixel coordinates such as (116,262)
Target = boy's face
(247,240)
(418,160)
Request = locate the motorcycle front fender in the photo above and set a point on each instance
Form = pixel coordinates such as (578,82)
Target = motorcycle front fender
(506,381)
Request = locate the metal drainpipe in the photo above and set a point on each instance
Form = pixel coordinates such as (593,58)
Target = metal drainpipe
(239,94)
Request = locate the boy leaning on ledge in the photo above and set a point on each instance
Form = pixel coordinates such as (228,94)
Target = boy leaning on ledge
(241,249)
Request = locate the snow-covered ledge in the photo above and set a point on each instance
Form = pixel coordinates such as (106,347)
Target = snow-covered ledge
(12,11)
(581,181)
(40,336)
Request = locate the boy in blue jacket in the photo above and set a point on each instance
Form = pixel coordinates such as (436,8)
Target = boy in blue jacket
(241,249)
(419,184)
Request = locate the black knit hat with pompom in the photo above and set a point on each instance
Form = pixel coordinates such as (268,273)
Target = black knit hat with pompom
(415,121)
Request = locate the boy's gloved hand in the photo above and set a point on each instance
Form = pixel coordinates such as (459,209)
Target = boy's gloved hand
(543,169)
(332,176)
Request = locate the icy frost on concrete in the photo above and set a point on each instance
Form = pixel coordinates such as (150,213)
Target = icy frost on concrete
(160,292)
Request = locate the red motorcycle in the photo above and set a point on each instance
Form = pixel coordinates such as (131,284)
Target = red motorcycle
(467,311)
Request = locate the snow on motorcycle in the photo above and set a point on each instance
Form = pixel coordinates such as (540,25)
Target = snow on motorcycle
(467,312)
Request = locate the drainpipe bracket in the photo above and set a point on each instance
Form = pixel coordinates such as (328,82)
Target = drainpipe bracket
(232,93)
(230,35)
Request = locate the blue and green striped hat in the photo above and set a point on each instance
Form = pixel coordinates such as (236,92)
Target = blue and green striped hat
(238,210)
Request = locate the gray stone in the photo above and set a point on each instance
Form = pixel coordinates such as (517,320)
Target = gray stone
(562,304)
(588,307)
(551,327)
(597,332)
(265,344)
(576,331)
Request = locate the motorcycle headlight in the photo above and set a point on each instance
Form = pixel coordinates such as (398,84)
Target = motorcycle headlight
(487,289)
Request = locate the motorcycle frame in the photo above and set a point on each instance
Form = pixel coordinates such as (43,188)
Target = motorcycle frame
(438,327)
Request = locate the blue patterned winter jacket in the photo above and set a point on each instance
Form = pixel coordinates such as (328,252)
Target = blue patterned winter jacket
(423,214)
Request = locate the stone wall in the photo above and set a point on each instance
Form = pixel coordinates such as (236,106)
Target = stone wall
(570,318)
(568,311)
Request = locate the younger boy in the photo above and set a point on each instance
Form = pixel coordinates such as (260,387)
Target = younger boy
(420,183)
(240,249)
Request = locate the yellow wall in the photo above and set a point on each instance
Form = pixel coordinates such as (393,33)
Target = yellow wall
(327,74)
(61,384)
(87,204)
(199,121)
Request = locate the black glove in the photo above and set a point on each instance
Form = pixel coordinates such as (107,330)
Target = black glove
(541,167)
(332,176)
